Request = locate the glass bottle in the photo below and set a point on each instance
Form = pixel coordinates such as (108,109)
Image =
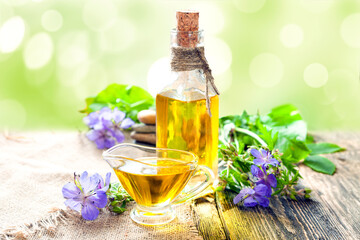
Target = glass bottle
(182,118)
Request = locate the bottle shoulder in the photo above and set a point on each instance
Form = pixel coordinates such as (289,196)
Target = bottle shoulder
(187,86)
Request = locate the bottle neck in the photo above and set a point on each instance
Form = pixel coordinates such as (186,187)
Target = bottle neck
(187,39)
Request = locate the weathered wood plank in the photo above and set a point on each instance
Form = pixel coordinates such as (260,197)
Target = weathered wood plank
(340,193)
(206,218)
(332,213)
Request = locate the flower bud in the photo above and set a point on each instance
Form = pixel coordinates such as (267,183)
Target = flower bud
(307,196)
(244,177)
(292,196)
(307,190)
(219,188)
(226,151)
(232,147)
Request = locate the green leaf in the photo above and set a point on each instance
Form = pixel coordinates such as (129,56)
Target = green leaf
(97,106)
(295,130)
(320,164)
(309,139)
(267,135)
(232,182)
(129,99)
(284,114)
(88,101)
(118,209)
(293,150)
(323,148)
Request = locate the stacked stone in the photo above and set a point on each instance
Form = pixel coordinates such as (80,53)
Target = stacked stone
(145,131)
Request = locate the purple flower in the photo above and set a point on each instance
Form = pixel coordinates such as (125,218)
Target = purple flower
(263,178)
(87,194)
(106,125)
(253,196)
(103,186)
(264,157)
(127,123)
(103,138)
(93,120)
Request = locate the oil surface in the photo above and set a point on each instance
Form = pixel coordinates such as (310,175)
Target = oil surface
(154,185)
(186,125)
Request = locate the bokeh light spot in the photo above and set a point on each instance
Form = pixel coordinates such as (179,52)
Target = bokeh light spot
(51,20)
(291,35)
(38,51)
(11,34)
(212,18)
(315,75)
(350,30)
(119,36)
(98,15)
(159,75)
(266,70)
(12,114)
(249,6)
(218,54)
(73,49)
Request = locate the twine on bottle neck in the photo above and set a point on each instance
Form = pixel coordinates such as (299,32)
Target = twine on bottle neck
(188,59)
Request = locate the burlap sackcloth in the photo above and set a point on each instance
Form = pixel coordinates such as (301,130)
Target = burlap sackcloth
(33,168)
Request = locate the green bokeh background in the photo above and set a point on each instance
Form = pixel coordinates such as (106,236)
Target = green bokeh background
(55,53)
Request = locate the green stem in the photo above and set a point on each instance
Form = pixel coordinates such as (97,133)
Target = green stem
(253,135)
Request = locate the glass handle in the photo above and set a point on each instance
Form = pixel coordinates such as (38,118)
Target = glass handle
(197,190)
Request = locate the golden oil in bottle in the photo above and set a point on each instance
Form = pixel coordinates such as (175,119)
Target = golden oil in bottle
(187,125)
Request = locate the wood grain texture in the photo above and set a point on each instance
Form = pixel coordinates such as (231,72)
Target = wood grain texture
(207,220)
(332,213)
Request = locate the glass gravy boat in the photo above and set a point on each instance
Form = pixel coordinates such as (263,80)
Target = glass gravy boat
(155,178)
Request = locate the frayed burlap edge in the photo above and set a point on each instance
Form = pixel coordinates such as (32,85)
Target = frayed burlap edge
(47,224)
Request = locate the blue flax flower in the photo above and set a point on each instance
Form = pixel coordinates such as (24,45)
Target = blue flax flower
(263,157)
(263,178)
(87,194)
(106,125)
(253,196)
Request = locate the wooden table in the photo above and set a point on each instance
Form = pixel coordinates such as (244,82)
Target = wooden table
(333,212)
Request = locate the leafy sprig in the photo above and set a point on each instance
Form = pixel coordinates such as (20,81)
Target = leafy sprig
(283,129)
(118,198)
(237,175)
(283,134)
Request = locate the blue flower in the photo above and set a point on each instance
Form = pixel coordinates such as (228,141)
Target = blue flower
(253,196)
(263,178)
(263,158)
(87,194)
(106,125)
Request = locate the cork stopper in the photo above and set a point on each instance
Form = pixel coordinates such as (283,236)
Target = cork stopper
(187,25)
